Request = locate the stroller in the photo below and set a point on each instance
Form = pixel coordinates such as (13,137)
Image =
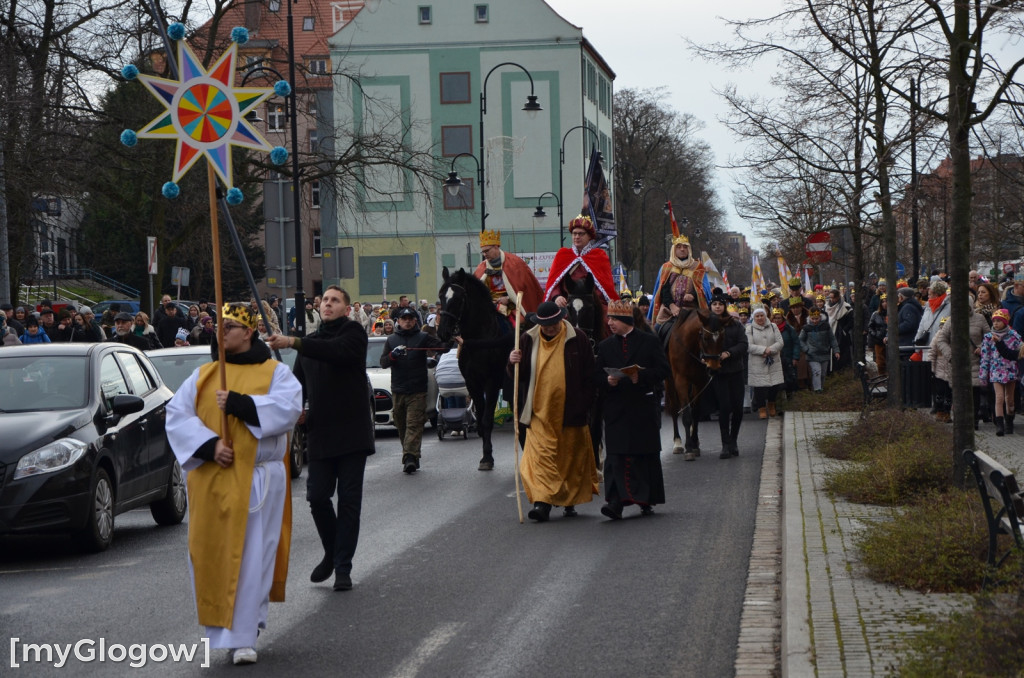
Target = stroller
(454,406)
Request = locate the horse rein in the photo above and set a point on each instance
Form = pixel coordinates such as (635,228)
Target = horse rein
(455,318)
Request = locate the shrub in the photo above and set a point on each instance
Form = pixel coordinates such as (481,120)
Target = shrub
(842,394)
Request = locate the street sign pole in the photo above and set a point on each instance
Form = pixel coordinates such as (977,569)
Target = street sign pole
(384,277)
(151,265)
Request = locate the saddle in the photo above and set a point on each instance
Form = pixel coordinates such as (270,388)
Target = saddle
(665,329)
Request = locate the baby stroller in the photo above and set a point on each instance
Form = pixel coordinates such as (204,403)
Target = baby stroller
(454,406)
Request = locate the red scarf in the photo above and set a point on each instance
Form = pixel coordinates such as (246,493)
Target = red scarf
(935,302)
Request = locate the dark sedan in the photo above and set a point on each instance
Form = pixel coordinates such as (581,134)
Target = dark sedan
(82,440)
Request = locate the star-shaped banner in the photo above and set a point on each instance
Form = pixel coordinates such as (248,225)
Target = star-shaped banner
(205,112)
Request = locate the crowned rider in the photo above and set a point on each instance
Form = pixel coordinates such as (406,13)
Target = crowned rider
(505,275)
(680,282)
(576,263)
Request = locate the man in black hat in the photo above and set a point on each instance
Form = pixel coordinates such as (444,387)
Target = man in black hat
(123,332)
(8,311)
(556,391)
(409,382)
(630,367)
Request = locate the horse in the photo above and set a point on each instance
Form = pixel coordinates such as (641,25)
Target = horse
(695,346)
(467,310)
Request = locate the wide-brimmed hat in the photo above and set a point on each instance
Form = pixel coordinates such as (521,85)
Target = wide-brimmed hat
(548,313)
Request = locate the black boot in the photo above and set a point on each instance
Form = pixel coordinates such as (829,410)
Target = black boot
(999,427)
(734,432)
(540,512)
(1009,423)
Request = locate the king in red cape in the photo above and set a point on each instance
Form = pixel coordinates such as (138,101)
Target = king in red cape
(574,264)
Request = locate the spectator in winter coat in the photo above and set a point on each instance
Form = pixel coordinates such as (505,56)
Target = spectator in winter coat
(142,328)
(790,356)
(818,342)
(935,309)
(1000,350)
(34,334)
(878,328)
(168,326)
(909,318)
(764,362)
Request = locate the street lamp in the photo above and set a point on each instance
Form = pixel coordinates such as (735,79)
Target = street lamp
(643,226)
(453,184)
(531,107)
(539,213)
(561,165)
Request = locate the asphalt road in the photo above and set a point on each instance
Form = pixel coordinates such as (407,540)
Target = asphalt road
(447,582)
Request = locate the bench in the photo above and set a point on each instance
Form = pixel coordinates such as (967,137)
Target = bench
(873,384)
(998,488)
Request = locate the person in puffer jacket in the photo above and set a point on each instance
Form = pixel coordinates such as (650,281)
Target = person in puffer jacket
(820,345)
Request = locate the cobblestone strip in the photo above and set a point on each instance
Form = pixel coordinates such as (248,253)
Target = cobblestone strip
(757,652)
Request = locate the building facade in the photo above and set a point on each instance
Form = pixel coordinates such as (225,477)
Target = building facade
(418,71)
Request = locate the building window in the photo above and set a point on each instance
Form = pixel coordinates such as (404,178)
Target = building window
(275,117)
(312,106)
(456,139)
(307,23)
(463,200)
(314,193)
(480,12)
(604,102)
(455,88)
(317,66)
(274,5)
(425,14)
(314,141)
(317,247)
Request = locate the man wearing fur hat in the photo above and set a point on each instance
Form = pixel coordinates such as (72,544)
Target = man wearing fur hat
(556,389)
(632,419)
(573,265)
(238,482)
(505,275)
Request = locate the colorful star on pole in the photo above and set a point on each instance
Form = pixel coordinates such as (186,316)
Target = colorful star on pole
(205,112)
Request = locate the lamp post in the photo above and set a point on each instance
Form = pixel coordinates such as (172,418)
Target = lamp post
(539,212)
(561,165)
(531,107)
(454,184)
(643,227)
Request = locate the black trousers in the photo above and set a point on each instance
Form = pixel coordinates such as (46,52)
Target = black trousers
(763,394)
(728,390)
(339,532)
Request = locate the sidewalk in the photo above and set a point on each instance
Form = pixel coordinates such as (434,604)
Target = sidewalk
(835,620)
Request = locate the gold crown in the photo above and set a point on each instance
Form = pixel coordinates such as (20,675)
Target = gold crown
(581,220)
(815,312)
(489,238)
(732,308)
(680,240)
(777,312)
(620,307)
(820,297)
(240,313)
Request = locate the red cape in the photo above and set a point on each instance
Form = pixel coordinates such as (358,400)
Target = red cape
(518,274)
(596,261)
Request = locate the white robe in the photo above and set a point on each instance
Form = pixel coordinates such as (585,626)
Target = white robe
(278,411)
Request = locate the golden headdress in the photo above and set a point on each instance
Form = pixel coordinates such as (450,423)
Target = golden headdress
(240,313)
(620,308)
(583,222)
(489,238)
(677,237)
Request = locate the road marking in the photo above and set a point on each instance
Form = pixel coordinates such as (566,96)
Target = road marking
(430,646)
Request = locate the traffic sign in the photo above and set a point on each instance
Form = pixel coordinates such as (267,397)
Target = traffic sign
(901,270)
(819,247)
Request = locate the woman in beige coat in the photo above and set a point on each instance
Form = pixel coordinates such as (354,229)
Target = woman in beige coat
(942,347)
(764,365)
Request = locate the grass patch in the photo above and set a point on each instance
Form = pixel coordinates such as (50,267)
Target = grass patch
(842,394)
(987,640)
(938,544)
(902,454)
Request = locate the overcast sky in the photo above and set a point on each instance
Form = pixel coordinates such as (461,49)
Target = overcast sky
(642,41)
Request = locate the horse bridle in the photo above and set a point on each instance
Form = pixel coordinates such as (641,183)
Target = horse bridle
(456,318)
(704,357)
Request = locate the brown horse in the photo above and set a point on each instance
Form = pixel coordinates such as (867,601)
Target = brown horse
(694,352)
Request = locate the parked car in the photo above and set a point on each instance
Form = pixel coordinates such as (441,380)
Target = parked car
(380,379)
(176,364)
(83,440)
(127,305)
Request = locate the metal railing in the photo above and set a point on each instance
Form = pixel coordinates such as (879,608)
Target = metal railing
(88,273)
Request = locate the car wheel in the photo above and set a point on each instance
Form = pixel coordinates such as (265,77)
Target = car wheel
(298,450)
(171,508)
(99,531)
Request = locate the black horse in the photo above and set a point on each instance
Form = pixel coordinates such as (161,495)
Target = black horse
(467,311)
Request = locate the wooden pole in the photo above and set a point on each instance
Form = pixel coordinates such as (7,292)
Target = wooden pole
(515,406)
(219,297)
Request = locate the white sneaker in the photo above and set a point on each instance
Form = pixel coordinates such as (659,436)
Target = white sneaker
(244,655)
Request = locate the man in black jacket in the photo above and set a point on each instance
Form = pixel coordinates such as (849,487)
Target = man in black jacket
(728,383)
(167,327)
(409,382)
(332,370)
(123,332)
(909,317)
(632,418)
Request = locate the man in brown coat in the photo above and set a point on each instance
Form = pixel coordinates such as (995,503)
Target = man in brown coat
(556,392)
